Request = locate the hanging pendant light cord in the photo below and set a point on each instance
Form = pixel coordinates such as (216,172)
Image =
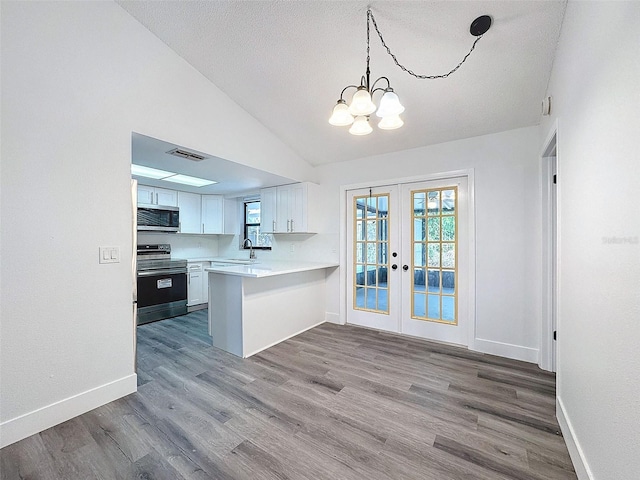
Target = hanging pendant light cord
(410,72)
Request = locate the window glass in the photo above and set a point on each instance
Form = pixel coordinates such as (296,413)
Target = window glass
(252,226)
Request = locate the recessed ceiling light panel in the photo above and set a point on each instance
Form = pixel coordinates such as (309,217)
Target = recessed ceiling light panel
(187,180)
(149,172)
(165,176)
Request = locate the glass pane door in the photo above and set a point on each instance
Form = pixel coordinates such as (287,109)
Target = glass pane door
(371,260)
(433,283)
(435,250)
(373,235)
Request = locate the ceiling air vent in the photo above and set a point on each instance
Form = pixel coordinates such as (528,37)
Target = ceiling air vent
(179,152)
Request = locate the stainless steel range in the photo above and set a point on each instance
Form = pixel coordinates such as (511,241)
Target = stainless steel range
(161,282)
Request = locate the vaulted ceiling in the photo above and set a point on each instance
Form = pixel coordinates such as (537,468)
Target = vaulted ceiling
(286,62)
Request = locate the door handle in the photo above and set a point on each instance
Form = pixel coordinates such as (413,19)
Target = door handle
(394,267)
(405,267)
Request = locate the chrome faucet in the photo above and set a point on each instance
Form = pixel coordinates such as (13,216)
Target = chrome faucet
(252,254)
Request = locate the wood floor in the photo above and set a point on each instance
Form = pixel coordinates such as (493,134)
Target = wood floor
(333,403)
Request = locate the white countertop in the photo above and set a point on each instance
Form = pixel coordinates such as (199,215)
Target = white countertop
(203,259)
(269,268)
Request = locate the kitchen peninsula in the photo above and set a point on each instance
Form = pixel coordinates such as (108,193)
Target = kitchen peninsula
(254,306)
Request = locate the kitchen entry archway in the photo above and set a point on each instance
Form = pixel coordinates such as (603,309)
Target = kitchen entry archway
(408,258)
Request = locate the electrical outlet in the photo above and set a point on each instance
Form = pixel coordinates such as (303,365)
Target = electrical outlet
(292,248)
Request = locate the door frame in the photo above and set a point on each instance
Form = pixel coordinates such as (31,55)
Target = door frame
(548,355)
(469,174)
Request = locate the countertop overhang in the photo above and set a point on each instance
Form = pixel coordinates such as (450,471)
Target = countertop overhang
(269,268)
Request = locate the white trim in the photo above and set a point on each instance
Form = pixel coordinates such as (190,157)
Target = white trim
(471,208)
(38,420)
(471,234)
(576,453)
(546,361)
(508,350)
(332,318)
(343,255)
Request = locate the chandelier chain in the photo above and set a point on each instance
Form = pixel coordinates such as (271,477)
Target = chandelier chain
(410,72)
(368,49)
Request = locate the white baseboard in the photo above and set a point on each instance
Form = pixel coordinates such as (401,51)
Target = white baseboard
(332,318)
(38,420)
(515,352)
(575,451)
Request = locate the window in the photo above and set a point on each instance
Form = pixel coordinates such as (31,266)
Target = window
(252,226)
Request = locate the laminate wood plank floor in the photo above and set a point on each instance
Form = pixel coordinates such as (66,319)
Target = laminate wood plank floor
(336,402)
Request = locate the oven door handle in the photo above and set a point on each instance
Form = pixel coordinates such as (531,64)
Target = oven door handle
(160,273)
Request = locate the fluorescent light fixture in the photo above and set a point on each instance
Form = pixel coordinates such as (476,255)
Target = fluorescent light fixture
(156,174)
(149,172)
(187,180)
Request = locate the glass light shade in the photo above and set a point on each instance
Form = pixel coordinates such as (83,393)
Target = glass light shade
(341,116)
(390,122)
(361,103)
(360,126)
(389,105)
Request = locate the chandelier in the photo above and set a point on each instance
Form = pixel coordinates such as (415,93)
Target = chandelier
(358,112)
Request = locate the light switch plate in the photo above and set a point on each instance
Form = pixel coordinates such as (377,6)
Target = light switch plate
(109,254)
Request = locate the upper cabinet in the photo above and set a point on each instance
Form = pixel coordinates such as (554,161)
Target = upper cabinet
(289,208)
(268,207)
(207,214)
(212,214)
(157,196)
(190,212)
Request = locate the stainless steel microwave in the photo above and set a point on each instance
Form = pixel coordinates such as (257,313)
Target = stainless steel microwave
(158,218)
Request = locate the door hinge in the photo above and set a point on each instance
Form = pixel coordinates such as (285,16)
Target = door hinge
(555,178)
(555,334)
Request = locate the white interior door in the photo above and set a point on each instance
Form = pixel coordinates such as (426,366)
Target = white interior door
(408,259)
(372,240)
(435,259)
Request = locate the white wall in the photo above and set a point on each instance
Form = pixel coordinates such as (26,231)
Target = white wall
(596,93)
(506,209)
(77,79)
(183,245)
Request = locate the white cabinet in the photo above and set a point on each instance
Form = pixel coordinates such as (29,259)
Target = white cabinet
(288,208)
(212,214)
(209,214)
(232,216)
(157,196)
(190,212)
(268,207)
(197,284)
(219,215)
(166,197)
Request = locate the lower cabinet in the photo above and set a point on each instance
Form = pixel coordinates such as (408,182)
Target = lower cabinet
(197,284)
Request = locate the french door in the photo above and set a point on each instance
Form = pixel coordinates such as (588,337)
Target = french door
(407,249)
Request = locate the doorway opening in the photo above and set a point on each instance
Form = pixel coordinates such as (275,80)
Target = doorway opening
(550,179)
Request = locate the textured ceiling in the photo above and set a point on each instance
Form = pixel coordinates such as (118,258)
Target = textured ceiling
(286,62)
